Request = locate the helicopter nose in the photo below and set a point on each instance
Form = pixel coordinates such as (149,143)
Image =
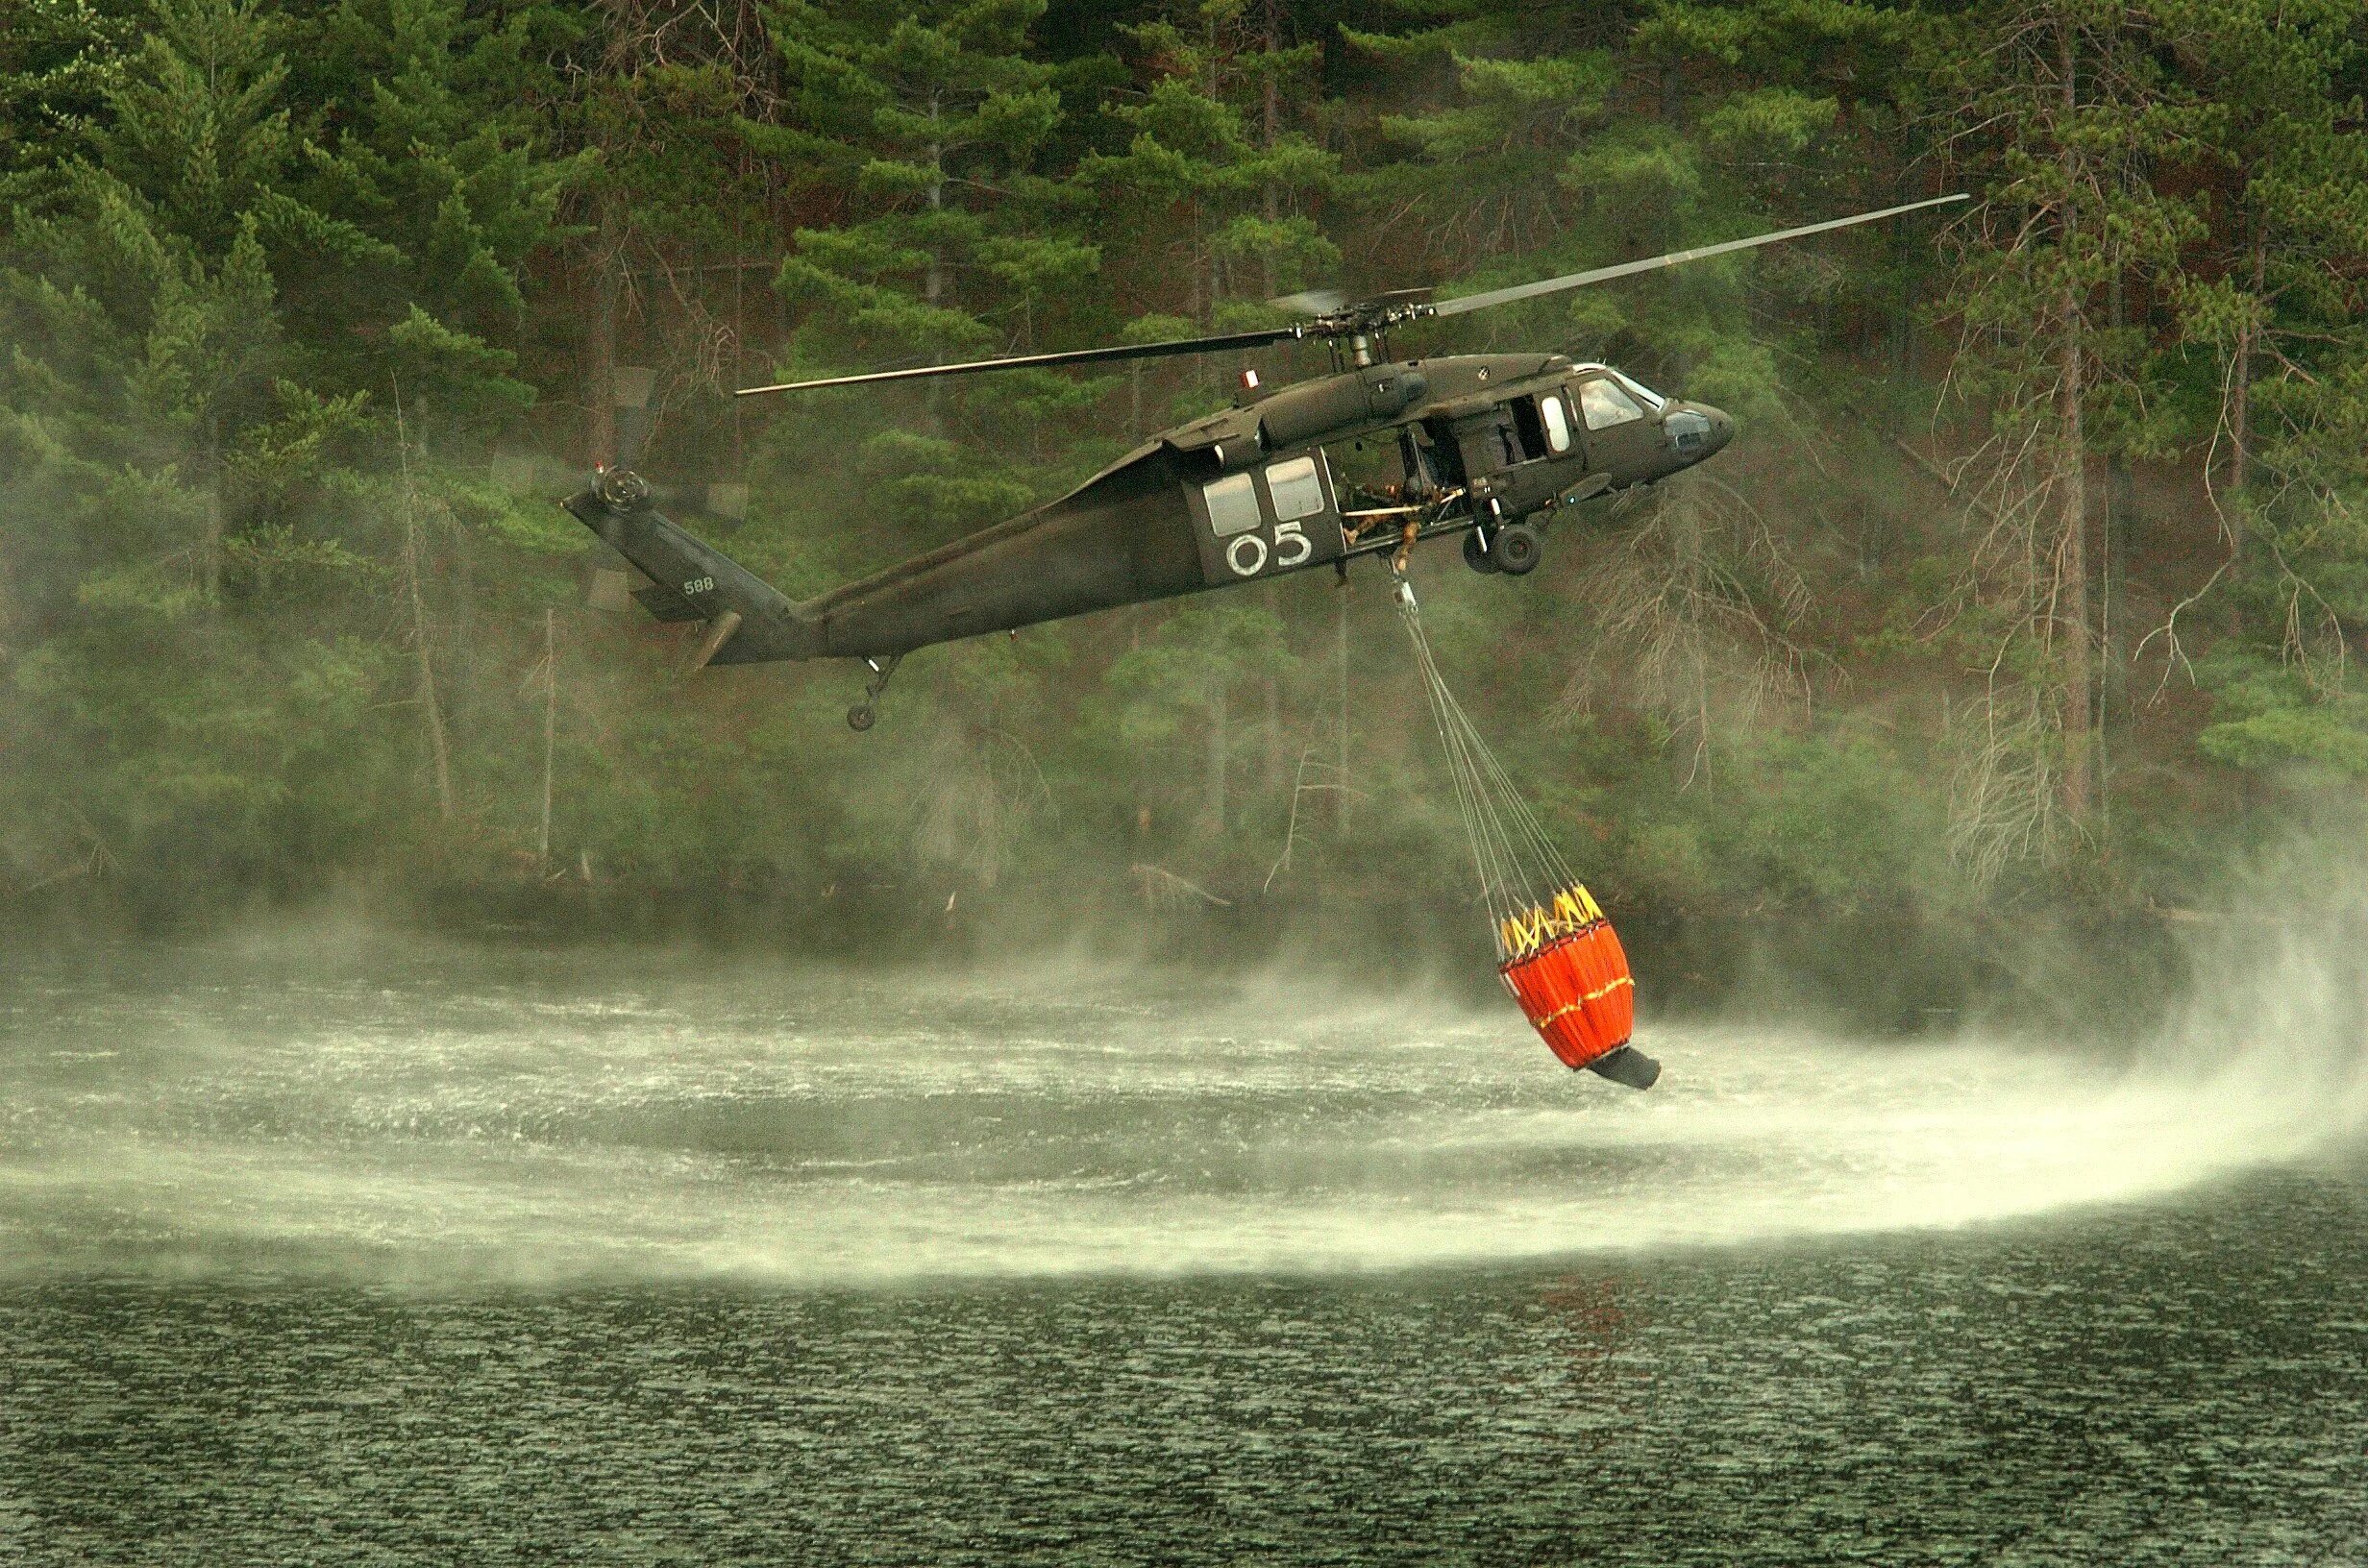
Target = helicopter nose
(1722,427)
(1695,430)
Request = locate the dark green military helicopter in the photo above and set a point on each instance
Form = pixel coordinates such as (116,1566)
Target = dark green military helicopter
(1485,444)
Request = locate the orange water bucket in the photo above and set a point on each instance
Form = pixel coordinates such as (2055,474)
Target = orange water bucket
(1565,965)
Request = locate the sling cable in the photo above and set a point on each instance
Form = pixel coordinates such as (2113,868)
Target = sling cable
(1555,951)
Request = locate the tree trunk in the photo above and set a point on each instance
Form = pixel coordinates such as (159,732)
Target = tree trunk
(2072,480)
(2240,391)
(933,282)
(1903,325)
(1340,634)
(432,711)
(1271,127)
(209,550)
(1220,758)
(551,733)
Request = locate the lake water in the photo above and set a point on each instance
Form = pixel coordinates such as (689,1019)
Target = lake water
(347,1248)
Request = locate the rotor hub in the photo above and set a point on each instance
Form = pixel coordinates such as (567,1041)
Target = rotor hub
(623,490)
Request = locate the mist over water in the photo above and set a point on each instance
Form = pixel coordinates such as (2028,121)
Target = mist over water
(357,1248)
(371,1107)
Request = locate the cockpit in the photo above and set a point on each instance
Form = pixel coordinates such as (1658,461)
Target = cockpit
(1607,398)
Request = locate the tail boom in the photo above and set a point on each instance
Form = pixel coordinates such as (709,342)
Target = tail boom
(749,620)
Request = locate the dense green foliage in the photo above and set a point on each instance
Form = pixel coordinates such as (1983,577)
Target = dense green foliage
(2026,601)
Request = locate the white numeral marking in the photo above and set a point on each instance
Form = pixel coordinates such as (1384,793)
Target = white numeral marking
(1252,547)
(699,585)
(1286,535)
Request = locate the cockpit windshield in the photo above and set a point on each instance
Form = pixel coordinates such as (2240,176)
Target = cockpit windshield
(1646,395)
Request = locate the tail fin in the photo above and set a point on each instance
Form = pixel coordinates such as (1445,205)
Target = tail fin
(749,620)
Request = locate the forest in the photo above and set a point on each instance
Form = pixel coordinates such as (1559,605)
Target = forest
(2012,632)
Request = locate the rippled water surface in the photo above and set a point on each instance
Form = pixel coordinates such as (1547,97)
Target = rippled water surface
(335,1250)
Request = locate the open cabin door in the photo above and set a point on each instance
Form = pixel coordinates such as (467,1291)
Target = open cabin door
(1529,427)
(1274,517)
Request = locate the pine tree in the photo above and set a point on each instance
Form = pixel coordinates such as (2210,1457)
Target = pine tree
(2270,304)
(57,58)
(435,186)
(925,123)
(2068,109)
(923,131)
(2289,219)
(1215,186)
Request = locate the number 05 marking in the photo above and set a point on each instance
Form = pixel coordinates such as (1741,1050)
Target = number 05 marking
(1248,555)
(1290,545)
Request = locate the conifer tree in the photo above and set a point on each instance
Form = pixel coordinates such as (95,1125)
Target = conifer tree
(2068,106)
(2270,304)
(1214,187)
(56,59)
(435,186)
(925,123)
(923,130)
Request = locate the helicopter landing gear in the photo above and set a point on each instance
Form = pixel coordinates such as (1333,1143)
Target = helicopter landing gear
(866,713)
(1476,552)
(1515,549)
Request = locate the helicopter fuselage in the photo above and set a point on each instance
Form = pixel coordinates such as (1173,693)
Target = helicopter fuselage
(1253,491)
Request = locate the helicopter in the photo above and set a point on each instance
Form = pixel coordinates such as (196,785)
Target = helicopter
(1487,446)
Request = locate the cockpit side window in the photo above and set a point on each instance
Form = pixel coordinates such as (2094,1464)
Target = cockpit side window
(1603,403)
(1557,423)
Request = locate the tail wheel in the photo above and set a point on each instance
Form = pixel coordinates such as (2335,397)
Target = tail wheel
(1515,549)
(861,717)
(1475,556)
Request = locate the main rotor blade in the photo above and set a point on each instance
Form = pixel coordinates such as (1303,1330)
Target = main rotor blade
(1067,356)
(1629,269)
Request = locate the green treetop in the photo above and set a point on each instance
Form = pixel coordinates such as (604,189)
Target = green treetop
(1213,190)
(923,125)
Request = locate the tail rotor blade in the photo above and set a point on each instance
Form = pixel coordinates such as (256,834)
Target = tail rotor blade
(1313,302)
(634,426)
(629,396)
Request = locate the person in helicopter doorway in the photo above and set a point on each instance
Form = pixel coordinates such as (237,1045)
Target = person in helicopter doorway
(1406,502)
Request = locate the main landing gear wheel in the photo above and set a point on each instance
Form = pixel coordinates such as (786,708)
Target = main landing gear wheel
(1476,553)
(865,713)
(1515,549)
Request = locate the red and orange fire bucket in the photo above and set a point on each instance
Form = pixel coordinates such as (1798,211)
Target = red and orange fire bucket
(1563,963)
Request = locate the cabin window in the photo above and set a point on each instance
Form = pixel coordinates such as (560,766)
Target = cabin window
(1604,404)
(1233,505)
(1557,423)
(1296,489)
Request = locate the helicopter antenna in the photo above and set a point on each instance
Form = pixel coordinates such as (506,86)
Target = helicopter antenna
(1361,324)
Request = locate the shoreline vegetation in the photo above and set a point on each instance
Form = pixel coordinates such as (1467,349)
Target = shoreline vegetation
(2015,628)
